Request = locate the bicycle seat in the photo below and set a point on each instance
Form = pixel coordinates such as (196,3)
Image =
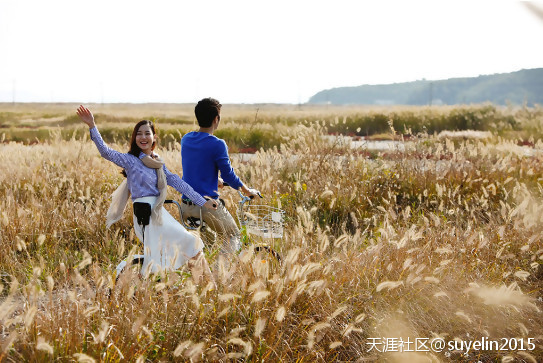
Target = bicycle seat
(195,222)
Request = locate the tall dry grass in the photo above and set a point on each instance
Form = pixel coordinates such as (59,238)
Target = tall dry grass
(252,126)
(442,239)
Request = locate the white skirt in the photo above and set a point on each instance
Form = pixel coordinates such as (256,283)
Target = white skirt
(168,246)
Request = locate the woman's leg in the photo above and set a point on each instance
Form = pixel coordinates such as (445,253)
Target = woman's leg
(186,247)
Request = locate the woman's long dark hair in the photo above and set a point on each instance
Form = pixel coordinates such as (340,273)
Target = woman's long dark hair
(134,148)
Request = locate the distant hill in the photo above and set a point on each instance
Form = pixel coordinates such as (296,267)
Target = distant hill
(517,88)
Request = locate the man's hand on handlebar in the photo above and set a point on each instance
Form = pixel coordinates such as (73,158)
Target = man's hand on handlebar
(253,193)
(249,192)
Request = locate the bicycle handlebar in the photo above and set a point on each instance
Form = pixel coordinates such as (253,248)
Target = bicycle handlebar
(243,197)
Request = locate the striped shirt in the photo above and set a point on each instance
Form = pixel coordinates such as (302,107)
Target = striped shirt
(141,180)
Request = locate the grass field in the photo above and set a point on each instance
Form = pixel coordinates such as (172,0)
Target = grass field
(441,239)
(247,128)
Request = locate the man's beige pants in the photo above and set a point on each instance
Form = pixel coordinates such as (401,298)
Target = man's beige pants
(219,220)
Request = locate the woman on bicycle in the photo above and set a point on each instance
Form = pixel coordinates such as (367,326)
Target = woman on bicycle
(167,244)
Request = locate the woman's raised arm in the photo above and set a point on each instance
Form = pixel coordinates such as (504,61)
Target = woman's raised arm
(120,159)
(86,116)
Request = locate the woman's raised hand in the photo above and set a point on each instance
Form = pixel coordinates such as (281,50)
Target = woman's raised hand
(86,116)
(211,204)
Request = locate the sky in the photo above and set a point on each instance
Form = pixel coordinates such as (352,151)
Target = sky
(280,51)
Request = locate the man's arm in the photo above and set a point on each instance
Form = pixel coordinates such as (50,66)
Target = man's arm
(228,174)
(222,161)
(250,192)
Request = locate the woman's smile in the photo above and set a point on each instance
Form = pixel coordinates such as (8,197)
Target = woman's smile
(145,139)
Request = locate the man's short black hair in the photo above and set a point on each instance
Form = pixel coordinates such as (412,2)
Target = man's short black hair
(206,110)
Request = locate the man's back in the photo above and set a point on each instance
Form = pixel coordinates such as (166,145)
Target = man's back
(203,155)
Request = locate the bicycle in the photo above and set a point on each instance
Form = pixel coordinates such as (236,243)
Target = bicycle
(263,222)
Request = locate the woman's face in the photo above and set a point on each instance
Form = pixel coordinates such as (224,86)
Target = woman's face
(145,139)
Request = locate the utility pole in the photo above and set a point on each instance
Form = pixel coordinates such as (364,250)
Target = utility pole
(299,97)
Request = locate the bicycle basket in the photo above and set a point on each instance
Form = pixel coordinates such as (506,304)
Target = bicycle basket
(262,220)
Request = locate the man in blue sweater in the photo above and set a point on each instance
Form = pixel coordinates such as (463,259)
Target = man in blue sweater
(203,155)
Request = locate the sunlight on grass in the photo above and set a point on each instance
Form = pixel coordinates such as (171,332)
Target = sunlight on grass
(442,238)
